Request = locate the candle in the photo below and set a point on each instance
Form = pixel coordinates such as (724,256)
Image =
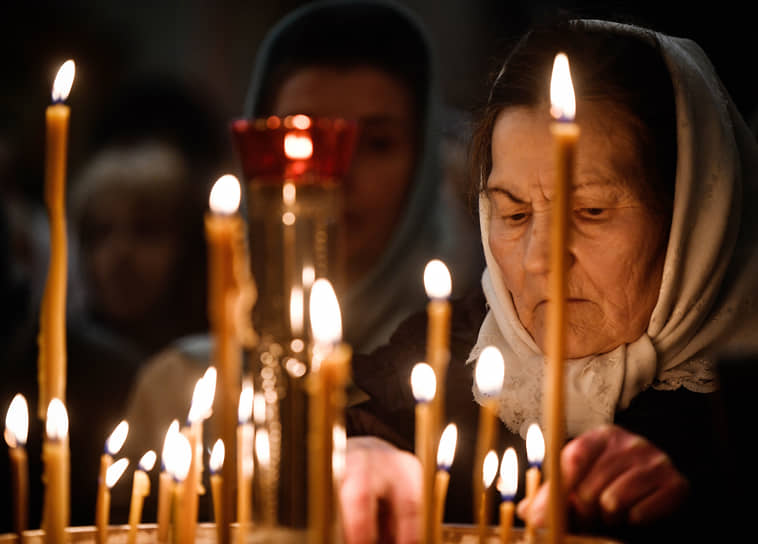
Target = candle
(565,134)
(140,490)
(16,432)
(507,485)
(263,457)
(52,336)
(488,378)
(56,477)
(438,285)
(423,385)
(178,464)
(445,454)
(330,369)
(489,471)
(113,445)
(217,482)
(224,227)
(245,462)
(112,475)
(166,483)
(535,453)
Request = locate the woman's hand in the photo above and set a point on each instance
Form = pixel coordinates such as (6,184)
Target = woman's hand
(380,495)
(614,475)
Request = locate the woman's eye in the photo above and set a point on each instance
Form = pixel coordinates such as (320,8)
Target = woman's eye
(595,213)
(516,218)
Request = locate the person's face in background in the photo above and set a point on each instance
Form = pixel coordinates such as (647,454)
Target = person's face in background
(617,240)
(385,158)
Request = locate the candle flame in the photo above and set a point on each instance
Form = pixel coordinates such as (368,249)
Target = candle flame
(326,320)
(115,471)
(147,461)
(423,382)
(64,79)
(296,310)
(259,408)
(179,457)
(535,445)
(202,397)
(245,407)
(489,468)
(309,276)
(166,451)
(56,424)
(437,280)
(217,456)
(446,449)
(17,422)
(562,100)
(298,146)
(262,451)
(507,484)
(489,372)
(117,438)
(225,195)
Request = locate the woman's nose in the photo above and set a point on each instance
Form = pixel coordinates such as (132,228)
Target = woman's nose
(537,250)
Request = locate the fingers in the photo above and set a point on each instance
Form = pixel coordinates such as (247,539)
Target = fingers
(579,455)
(358,501)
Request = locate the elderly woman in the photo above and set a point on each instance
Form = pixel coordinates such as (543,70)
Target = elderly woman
(661,276)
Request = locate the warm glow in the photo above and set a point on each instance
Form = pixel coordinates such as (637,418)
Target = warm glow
(295,368)
(535,445)
(259,408)
(56,424)
(446,449)
(326,320)
(489,468)
(117,438)
(296,310)
(562,100)
(179,457)
(63,81)
(289,193)
(339,451)
(262,451)
(115,471)
(309,275)
(298,146)
(489,372)
(225,195)
(17,422)
(217,456)
(507,484)
(245,407)
(165,452)
(437,280)
(202,397)
(423,382)
(147,461)
(303,122)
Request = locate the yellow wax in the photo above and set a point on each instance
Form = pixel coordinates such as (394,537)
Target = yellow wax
(506,521)
(140,489)
(222,233)
(440,492)
(20,476)
(178,533)
(425,453)
(438,354)
(485,440)
(217,492)
(52,336)
(165,492)
(484,515)
(102,503)
(56,507)
(191,487)
(533,478)
(565,136)
(244,482)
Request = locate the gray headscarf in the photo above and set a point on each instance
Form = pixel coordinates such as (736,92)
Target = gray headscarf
(433,224)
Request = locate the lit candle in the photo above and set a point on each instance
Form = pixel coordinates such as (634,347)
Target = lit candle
(178,464)
(423,385)
(16,432)
(263,457)
(489,471)
(507,485)
(52,336)
(56,477)
(488,378)
(112,475)
(113,445)
(166,483)
(565,134)
(217,482)
(140,490)
(224,227)
(535,453)
(245,462)
(445,454)
(330,369)
(438,285)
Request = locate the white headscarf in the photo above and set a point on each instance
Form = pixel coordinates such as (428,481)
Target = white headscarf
(708,291)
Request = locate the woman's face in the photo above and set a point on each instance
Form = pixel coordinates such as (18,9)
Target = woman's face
(616,241)
(382,167)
